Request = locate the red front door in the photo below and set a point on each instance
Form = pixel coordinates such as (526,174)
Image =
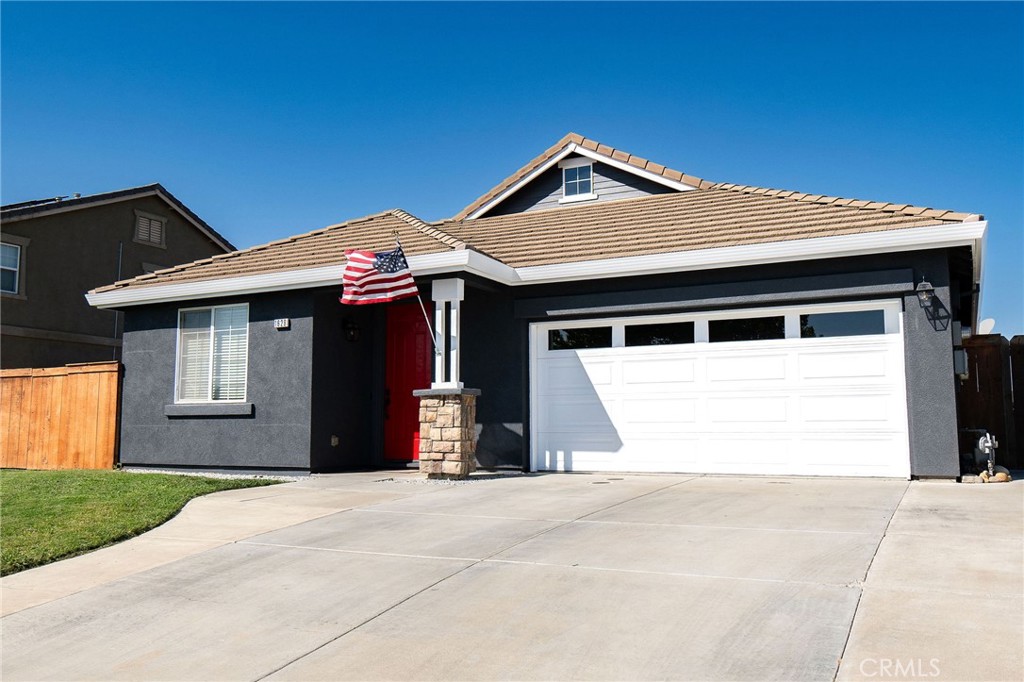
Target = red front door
(407,369)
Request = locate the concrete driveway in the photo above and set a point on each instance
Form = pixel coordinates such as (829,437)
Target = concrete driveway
(543,577)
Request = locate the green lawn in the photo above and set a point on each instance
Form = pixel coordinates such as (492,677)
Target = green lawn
(50,515)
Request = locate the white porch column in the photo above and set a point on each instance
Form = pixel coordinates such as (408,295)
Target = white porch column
(448,329)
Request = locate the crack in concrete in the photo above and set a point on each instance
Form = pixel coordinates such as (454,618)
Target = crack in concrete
(862,581)
(455,573)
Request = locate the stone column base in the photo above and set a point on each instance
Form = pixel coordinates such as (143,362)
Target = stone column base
(447,431)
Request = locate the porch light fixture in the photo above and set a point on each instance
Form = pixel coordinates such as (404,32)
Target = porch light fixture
(925,292)
(351,329)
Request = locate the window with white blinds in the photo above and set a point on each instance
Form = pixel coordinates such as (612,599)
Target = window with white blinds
(149,229)
(213,349)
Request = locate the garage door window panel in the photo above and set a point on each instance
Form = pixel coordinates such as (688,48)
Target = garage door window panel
(747,329)
(664,334)
(580,338)
(850,323)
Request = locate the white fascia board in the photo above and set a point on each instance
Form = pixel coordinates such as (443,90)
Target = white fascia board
(233,286)
(573,148)
(912,239)
(473,262)
(629,168)
(525,180)
(463,260)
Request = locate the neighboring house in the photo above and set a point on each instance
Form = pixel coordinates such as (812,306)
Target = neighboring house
(617,315)
(55,250)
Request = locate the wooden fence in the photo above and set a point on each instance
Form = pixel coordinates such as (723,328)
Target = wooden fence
(60,417)
(992,398)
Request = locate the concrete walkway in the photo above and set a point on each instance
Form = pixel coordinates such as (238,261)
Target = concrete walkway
(543,577)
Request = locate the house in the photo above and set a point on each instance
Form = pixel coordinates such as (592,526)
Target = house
(615,314)
(55,250)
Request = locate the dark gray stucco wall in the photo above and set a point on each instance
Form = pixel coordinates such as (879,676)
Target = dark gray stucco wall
(277,433)
(609,183)
(491,363)
(345,392)
(931,384)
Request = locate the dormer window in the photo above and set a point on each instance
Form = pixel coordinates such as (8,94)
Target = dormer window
(577,179)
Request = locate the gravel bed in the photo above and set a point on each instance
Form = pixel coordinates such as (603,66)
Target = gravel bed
(215,474)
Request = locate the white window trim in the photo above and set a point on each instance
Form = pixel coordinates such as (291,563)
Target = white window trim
(577,162)
(892,309)
(177,357)
(20,243)
(16,269)
(590,196)
(151,216)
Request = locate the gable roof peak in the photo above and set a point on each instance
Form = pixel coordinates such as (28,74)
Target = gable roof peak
(574,142)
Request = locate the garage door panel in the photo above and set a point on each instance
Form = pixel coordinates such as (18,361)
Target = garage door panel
(733,410)
(833,365)
(846,408)
(816,406)
(566,414)
(654,412)
(670,371)
(570,373)
(739,367)
(732,453)
(853,454)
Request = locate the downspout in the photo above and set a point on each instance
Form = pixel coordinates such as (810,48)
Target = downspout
(117,313)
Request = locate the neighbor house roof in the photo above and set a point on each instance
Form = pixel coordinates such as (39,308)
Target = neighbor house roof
(706,217)
(60,204)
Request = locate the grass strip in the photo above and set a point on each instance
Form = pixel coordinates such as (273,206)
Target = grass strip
(51,515)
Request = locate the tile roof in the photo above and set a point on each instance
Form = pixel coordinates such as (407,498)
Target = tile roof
(29,209)
(591,145)
(318,248)
(719,216)
(713,216)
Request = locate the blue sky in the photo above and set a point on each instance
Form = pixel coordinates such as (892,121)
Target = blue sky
(272,119)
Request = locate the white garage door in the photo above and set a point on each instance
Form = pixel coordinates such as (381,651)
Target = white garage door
(803,390)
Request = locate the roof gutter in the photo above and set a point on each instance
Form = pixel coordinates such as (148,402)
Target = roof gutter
(473,262)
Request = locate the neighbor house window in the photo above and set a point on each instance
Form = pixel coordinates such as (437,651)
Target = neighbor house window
(213,348)
(10,268)
(149,229)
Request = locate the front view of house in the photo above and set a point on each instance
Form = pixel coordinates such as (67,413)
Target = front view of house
(615,315)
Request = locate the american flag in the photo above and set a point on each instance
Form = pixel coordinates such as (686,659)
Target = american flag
(376,277)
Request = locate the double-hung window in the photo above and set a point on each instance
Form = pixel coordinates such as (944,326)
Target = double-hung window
(213,349)
(10,268)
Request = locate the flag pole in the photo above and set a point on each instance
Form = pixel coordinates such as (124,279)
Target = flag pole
(426,318)
(433,338)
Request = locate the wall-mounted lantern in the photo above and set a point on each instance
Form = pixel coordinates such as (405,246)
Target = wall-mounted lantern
(925,293)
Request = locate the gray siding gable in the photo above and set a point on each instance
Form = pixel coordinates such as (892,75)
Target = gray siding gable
(610,183)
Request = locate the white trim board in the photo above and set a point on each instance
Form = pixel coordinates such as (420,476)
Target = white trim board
(473,262)
(573,148)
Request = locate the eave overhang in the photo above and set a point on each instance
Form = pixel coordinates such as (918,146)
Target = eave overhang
(469,261)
